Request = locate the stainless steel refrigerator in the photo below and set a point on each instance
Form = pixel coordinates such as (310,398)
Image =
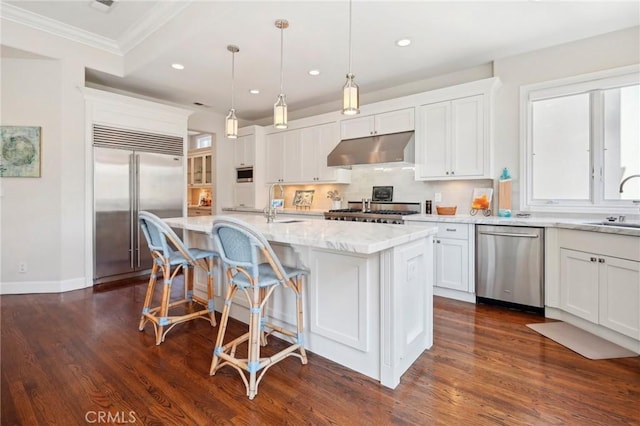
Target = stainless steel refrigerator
(125,182)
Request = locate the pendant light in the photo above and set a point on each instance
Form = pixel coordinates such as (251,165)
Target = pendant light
(350,91)
(280,107)
(231,122)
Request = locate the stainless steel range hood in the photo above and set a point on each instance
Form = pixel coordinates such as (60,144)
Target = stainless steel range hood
(392,148)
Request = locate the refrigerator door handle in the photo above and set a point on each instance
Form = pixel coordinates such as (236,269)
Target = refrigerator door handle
(132,208)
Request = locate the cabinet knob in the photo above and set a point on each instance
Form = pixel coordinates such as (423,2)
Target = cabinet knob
(452,172)
(593,259)
(600,260)
(446,173)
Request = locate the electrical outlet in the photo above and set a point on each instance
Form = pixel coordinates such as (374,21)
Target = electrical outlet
(22,267)
(438,197)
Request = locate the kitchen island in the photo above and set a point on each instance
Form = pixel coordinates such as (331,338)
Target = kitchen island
(368,298)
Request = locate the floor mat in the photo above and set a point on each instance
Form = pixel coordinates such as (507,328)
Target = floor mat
(581,341)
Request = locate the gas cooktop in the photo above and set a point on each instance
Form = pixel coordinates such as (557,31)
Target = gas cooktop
(379,212)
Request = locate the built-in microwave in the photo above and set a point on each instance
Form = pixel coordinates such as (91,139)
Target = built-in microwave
(244,174)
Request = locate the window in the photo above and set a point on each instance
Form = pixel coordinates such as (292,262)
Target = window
(580,140)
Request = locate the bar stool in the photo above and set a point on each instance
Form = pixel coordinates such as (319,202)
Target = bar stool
(168,251)
(241,248)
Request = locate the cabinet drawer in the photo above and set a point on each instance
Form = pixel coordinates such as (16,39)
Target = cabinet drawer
(458,231)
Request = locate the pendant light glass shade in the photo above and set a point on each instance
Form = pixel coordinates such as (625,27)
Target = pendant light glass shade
(280,113)
(350,91)
(231,125)
(231,122)
(350,97)
(280,107)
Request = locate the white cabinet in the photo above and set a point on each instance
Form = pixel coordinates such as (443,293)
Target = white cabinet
(454,131)
(283,162)
(244,195)
(453,258)
(199,167)
(601,289)
(452,139)
(378,124)
(315,144)
(579,284)
(274,164)
(300,156)
(244,151)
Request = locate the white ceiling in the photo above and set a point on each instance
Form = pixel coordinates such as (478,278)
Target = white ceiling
(446,36)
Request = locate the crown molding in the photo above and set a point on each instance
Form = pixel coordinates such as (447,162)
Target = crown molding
(51,26)
(159,15)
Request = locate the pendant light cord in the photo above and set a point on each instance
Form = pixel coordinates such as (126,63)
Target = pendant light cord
(233,76)
(349,36)
(281,56)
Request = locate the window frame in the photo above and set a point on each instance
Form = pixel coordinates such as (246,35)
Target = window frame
(595,84)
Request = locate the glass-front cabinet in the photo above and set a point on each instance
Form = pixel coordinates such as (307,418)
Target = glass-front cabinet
(199,169)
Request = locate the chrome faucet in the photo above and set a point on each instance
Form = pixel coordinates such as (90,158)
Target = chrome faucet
(625,181)
(270,211)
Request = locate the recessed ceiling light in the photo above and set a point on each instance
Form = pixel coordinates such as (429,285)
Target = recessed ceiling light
(254,91)
(403,42)
(314,72)
(177,66)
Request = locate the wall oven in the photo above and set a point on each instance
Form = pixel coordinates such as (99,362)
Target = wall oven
(244,174)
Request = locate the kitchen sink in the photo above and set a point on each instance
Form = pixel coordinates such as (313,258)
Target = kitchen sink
(621,224)
(287,220)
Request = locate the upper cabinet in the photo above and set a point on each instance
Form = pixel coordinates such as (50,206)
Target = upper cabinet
(378,124)
(454,132)
(244,151)
(200,167)
(454,136)
(300,156)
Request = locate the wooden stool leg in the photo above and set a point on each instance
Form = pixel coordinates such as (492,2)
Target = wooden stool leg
(255,333)
(299,322)
(149,296)
(211,291)
(163,313)
(231,291)
(189,273)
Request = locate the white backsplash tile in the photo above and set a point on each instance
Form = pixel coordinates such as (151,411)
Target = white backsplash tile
(405,189)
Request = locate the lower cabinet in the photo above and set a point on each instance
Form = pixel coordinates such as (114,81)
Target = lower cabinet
(601,289)
(452,264)
(453,259)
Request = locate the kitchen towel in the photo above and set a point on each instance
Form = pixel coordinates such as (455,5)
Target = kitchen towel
(581,341)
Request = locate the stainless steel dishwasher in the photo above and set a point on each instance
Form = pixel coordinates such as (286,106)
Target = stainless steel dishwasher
(510,265)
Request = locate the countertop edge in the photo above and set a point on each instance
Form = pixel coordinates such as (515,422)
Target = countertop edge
(564,223)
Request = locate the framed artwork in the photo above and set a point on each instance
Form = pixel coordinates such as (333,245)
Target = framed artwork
(303,198)
(20,151)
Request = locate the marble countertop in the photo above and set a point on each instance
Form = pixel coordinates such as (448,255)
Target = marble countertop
(353,237)
(546,222)
(319,213)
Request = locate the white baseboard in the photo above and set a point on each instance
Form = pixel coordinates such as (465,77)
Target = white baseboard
(28,287)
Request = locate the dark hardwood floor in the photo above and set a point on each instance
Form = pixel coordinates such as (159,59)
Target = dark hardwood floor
(78,358)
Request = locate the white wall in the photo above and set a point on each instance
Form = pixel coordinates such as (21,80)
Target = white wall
(27,214)
(42,218)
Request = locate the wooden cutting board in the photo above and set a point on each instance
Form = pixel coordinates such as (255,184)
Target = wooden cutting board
(504,194)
